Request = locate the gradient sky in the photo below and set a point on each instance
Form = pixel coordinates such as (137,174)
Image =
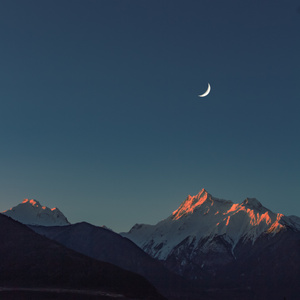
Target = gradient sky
(99,113)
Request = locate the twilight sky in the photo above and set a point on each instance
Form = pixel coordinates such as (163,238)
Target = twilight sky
(99,114)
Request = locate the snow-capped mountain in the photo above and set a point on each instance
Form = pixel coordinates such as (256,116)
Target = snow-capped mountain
(31,212)
(205,233)
(203,217)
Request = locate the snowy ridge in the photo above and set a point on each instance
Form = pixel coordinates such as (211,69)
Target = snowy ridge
(31,212)
(203,217)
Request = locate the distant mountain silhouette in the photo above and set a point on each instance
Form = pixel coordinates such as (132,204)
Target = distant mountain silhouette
(28,259)
(106,245)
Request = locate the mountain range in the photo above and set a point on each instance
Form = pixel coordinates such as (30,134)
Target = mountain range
(32,262)
(105,245)
(202,218)
(208,248)
(218,243)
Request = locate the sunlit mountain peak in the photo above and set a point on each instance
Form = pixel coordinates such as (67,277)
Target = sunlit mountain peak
(203,201)
(30,211)
(201,219)
(191,203)
(33,202)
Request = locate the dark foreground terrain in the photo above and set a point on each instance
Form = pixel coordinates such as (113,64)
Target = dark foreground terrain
(54,295)
(29,260)
(107,246)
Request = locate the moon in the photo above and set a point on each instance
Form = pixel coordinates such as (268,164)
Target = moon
(206,93)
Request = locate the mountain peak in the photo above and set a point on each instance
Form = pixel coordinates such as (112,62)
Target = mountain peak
(31,212)
(203,202)
(252,203)
(32,202)
(190,204)
(202,218)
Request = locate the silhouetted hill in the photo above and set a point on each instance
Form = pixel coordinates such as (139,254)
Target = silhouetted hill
(106,245)
(28,259)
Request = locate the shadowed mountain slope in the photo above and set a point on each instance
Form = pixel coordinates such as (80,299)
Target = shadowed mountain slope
(106,245)
(228,247)
(28,259)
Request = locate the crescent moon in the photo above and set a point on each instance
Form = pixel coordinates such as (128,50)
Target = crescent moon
(207,92)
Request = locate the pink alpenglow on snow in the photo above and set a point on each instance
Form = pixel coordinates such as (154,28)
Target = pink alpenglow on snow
(31,212)
(201,218)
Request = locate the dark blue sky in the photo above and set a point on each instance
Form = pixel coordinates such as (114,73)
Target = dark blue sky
(99,113)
